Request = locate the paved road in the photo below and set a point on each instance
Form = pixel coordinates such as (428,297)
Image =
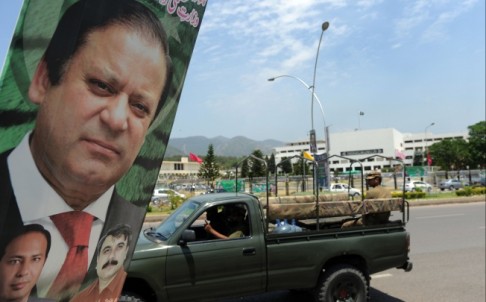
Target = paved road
(448,252)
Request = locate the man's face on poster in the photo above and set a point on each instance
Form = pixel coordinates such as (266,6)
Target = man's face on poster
(21,266)
(111,257)
(92,125)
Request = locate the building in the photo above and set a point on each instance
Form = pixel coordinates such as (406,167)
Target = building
(183,169)
(376,145)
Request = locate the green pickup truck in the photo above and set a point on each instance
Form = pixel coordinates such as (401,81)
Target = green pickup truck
(180,261)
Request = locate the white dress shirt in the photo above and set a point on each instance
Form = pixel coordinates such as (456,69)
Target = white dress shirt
(37,201)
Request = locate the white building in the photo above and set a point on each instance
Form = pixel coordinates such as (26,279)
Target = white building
(356,145)
(183,169)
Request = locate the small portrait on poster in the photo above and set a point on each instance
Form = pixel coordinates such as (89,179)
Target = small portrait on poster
(111,254)
(23,254)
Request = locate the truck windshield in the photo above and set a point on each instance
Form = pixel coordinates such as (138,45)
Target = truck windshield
(170,225)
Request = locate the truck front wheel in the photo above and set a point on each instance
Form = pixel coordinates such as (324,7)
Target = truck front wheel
(131,297)
(342,283)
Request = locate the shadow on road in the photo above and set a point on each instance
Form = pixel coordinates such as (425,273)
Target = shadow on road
(298,296)
(378,296)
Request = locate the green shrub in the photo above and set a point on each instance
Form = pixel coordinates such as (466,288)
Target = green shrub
(468,191)
(479,190)
(149,209)
(175,201)
(409,195)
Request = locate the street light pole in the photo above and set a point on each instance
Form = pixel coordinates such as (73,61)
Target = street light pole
(313,145)
(306,86)
(312,134)
(424,153)
(326,128)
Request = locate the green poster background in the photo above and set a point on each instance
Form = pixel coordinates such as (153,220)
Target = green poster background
(36,24)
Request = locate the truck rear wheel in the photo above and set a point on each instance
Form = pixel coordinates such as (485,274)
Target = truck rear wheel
(342,283)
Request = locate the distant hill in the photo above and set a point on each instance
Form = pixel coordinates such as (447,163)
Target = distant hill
(236,146)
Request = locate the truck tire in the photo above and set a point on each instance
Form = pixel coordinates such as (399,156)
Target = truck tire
(342,283)
(131,297)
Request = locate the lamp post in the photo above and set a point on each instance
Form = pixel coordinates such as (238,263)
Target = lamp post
(306,86)
(312,133)
(313,146)
(326,136)
(425,145)
(326,131)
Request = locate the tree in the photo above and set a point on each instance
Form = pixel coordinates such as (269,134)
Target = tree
(209,169)
(418,159)
(450,154)
(477,144)
(285,165)
(257,168)
(245,169)
(298,167)
(272,167)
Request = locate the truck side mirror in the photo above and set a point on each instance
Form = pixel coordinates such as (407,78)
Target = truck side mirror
(187,236)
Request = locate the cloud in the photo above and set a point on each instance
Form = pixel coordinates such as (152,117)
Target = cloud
(437,30)
(367,4)
(429,19)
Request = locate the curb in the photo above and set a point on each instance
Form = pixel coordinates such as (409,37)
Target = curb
(431,202)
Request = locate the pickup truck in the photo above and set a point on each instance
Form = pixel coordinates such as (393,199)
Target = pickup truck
(179,261)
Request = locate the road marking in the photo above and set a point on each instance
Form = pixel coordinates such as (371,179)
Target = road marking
(483,227)
(440,216)
(378,276)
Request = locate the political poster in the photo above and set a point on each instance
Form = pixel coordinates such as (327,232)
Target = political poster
(88,96)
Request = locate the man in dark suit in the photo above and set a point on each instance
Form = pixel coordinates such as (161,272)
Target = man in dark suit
(100,83)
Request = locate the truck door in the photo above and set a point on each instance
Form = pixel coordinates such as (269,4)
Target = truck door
(211,267)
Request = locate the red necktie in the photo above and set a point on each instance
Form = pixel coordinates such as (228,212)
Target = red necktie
(75,228)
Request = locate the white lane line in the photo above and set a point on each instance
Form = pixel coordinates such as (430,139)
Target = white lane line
(378,276)
(439,216)
(483,227)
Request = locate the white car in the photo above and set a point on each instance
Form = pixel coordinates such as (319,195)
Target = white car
(340,187)
(412,186)
(162,195)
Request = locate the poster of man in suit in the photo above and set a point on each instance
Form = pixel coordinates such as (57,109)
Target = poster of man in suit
(88,96)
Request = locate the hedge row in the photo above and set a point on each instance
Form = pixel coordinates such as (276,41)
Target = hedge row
(468,191)
(409,195)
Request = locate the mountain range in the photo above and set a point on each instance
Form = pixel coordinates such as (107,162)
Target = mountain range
(223,146)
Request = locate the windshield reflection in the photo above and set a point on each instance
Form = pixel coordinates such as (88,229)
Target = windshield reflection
(168,227)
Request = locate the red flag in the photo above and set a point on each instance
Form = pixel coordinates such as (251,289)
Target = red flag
(194,157)
(399,154)
(429,159)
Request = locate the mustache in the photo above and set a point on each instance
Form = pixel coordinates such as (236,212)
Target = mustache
(109,262)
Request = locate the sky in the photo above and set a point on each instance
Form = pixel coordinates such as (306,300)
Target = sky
(402,64)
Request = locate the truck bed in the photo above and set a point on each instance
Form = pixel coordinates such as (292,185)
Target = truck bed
(309,210)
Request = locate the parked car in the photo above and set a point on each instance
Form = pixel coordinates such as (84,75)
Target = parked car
(412,186)
(340,187)
(162,195)
(478,181)
(451,184)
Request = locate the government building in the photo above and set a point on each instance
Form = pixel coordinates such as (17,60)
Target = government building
(376,145)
